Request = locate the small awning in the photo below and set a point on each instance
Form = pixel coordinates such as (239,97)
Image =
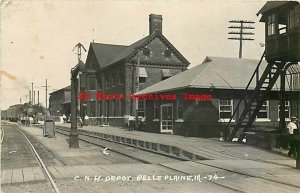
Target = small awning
(142,72)
(166,72)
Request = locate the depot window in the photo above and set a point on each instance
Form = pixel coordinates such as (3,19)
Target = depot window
(166,73)
(91,83)
(287,111)
(225,108)
(141,108)
(92,108)
(179,108)
(156,110)
(121,107)
(264,111)
(142,75)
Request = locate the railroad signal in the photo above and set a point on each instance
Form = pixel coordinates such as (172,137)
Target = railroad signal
(79,53)
(242,32)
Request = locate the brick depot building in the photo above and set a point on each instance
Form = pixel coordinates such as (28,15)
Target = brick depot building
(217,85)
(116,69)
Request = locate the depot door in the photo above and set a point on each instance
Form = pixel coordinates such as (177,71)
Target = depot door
(166,118)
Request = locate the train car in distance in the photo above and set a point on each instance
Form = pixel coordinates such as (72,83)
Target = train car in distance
(14,113)
(22,112)
(3,114)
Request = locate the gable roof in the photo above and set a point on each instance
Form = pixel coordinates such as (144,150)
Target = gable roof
(67,88)
(129,50)
(108,54)
(214,72)
(271,5)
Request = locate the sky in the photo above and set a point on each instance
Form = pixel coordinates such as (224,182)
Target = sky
(37,36)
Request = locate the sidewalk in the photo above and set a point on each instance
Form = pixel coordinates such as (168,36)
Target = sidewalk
(207,148)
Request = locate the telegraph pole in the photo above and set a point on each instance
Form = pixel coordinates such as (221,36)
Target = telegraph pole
(46,86)
(30,97)
(243,30)
(32,93)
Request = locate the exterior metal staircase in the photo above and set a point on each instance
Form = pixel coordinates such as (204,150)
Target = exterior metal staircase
(253,99)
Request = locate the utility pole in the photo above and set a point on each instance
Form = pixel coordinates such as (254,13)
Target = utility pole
(32,93)
(46,86)
(30,97)
(243,31)
(38,97)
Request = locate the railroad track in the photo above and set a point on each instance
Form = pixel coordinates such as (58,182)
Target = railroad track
(37,156)
(2,135)
(178,171)
(66,133)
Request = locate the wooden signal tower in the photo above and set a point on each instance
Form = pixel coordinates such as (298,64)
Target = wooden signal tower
(282,40)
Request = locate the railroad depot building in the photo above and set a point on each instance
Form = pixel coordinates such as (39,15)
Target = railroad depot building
(113,69)
(60,102)
(207,94)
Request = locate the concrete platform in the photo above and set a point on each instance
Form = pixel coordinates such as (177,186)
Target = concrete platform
(257,171)
(189,148)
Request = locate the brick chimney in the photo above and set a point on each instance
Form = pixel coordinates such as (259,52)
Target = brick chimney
(155,23)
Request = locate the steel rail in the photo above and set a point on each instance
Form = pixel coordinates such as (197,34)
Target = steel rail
(147,162)
(2,135)
(206,164)
(40,161)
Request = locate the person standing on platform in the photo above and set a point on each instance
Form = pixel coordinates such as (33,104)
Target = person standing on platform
(80,122)
(131,122)
(86,120)
(292,128)
(64,118)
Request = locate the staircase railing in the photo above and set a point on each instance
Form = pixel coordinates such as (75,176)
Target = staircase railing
(256,72)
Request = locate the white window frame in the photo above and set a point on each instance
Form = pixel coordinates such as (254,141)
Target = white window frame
(271,19)
(156,106)
(144,110)
(177,108)
(268,113)
(89,78)
(231,105)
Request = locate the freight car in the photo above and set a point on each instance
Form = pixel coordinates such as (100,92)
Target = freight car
(14,112)
(21,112)
(4,115)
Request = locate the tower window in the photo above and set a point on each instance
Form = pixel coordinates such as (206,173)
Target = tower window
(271,24)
